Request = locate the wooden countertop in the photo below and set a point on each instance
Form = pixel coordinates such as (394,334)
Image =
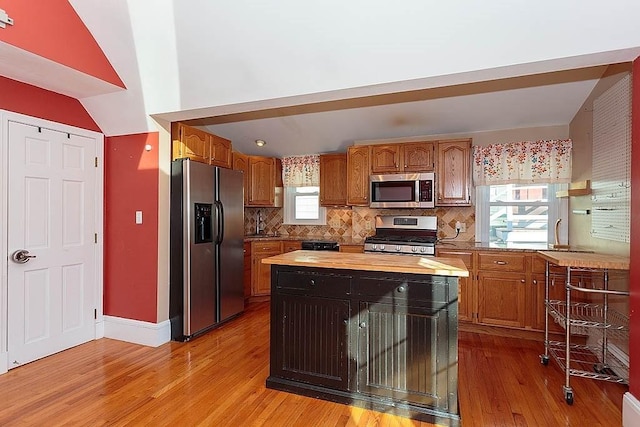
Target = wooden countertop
(586,260)
(372,262)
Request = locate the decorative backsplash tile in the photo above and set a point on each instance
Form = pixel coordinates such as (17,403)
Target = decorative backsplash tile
(359,222)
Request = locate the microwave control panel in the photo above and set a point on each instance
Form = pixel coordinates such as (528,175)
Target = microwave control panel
(426,190)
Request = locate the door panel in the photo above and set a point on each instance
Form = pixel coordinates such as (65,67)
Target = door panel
(51,199)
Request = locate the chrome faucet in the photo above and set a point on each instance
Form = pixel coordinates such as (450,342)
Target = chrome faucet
(259,223)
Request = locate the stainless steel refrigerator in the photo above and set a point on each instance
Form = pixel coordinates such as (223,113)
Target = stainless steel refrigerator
(207,232)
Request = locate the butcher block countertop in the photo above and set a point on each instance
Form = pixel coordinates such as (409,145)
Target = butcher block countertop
(586,260)
(372,262)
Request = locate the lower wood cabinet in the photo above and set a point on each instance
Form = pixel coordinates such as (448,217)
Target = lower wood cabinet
(501,298)
(246,273)
(384,340)
(261,273)
(465,289)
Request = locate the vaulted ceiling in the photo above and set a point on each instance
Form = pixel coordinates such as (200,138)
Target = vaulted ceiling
(315,77)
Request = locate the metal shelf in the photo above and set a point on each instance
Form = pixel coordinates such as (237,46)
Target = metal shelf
(585,363)
(585,316)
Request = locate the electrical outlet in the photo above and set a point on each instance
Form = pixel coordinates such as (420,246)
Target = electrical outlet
(367,225)
(334,223)
(463,227)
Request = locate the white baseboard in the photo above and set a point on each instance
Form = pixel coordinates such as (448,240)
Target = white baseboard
(4,362)
(630,411)
(99,329)
(137,331)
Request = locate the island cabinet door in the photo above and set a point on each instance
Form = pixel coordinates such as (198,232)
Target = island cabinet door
(405,353)
(311,346)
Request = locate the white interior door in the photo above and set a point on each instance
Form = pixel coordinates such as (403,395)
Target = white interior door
(51,214)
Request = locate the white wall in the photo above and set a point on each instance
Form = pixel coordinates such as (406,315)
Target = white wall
(221,56)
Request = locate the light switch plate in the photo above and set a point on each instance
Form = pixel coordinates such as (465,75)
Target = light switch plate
(138,217)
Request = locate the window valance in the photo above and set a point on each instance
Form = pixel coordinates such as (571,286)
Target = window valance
(524,162)
(301,171)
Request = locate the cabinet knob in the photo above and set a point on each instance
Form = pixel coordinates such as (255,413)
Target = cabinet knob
(312,282)
(345,321)
(535,282)
(401,289)
(363,325)
(521,280)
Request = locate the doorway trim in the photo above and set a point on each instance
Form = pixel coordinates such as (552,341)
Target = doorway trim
(5,118)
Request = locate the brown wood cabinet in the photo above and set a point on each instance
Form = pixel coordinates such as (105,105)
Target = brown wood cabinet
(465,284)
(358,170)
(356,249)
(246,274)
(241,163)
(291,245)
(261,273)
(453,175)
(418,157)
(385,158)
(200,146)
(333,179)
(221,154)
(405,157)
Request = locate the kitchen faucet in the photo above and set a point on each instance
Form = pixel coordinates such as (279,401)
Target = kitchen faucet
(259,223)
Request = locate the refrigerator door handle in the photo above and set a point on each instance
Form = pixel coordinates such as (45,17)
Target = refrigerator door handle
(220,209)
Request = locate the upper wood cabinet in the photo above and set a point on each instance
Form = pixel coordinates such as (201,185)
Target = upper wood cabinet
(191,143)
(358,170)
(333,180)
(262,176)
(200,146)
(385,158)
(241,163)
(417,157)
(406,157)
(453,173)
(220,151)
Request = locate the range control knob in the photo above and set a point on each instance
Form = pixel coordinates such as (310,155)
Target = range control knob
(398,248)
(423,249)
(374,247)
(414,249)
(382,247)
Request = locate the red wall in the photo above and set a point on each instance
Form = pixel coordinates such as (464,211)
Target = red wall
(52,29)
(131,250)
(33,101)
(634,286)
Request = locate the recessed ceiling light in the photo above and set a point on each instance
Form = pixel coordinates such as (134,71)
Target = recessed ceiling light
(260,143)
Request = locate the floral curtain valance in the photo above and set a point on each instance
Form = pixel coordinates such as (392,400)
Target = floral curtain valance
(301,171)
(524,162)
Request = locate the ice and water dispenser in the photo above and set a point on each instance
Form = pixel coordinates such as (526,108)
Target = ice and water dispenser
(203,226)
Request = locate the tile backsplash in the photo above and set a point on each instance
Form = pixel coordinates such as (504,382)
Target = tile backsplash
(359,222)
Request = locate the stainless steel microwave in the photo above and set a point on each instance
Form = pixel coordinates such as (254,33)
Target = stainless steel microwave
(402,190)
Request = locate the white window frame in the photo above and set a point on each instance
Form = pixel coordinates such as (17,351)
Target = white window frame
(289,210)
(558,209)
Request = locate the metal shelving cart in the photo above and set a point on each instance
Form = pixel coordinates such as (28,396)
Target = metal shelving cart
(585,311)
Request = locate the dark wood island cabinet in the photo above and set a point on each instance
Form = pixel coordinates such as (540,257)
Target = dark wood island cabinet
(378,331)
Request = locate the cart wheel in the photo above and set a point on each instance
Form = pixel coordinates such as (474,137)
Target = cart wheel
(568,396)
(544,359)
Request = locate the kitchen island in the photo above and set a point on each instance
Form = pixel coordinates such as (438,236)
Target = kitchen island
(372,330)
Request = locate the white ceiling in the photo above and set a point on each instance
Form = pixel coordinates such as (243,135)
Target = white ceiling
(533,101)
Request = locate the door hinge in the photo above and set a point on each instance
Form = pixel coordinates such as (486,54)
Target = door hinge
(95,237)
(96,162)
(95,313)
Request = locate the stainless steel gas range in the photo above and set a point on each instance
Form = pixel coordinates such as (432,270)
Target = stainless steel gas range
(410,235)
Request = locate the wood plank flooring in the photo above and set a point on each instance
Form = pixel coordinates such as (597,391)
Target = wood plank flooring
(218,380)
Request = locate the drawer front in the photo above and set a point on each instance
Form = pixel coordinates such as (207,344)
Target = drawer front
(500,261)
(310,283)
(405,291)
(291,246)
(274,246)
(466,257)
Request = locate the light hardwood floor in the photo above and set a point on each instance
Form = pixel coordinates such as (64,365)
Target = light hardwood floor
(218,380)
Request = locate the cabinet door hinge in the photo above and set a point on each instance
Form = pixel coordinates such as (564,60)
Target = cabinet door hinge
(95,313)
(96,162)
(95,237)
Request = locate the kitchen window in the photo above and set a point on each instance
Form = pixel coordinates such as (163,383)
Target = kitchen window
(302,206)
(520,215)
